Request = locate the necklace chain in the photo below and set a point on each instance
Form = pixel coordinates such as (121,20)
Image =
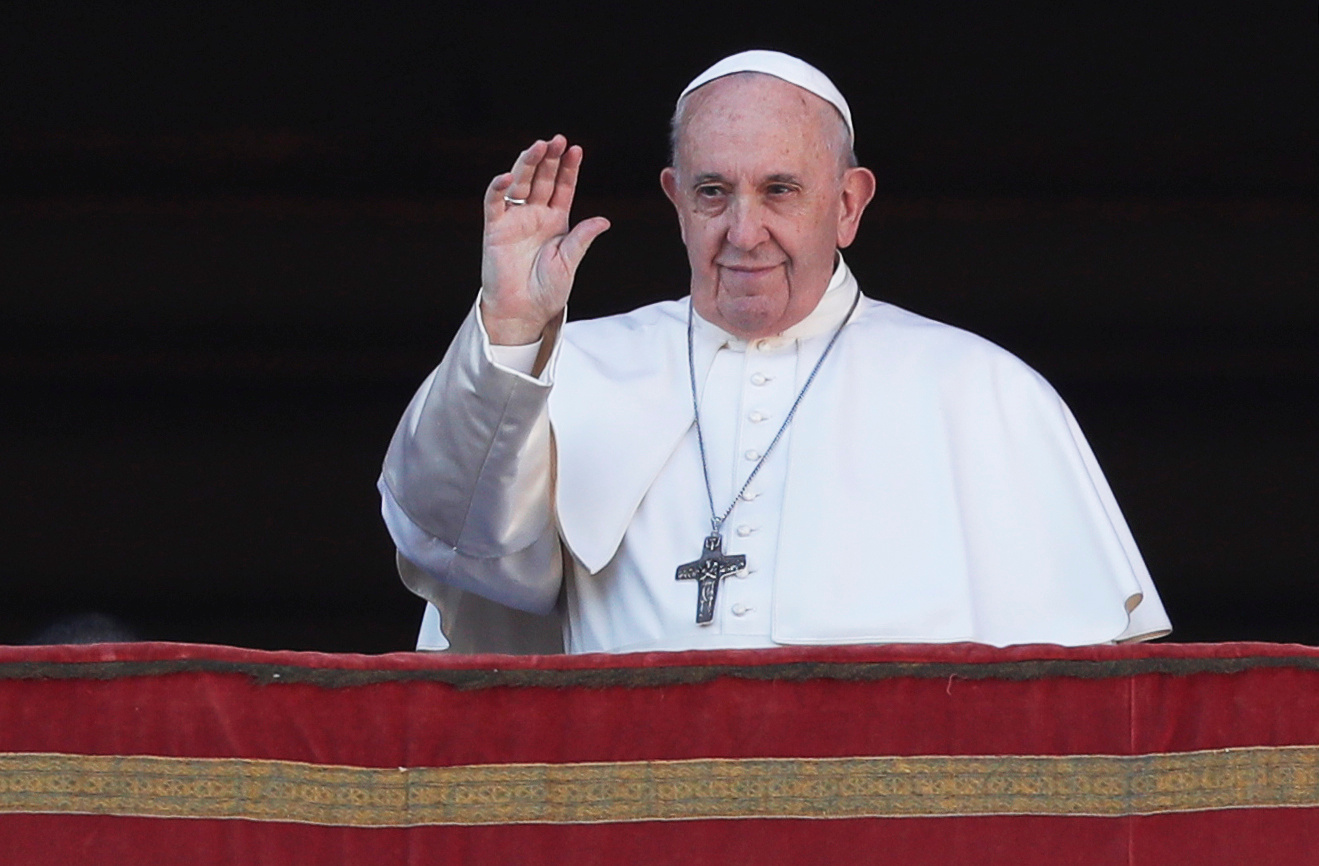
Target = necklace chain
(716,519)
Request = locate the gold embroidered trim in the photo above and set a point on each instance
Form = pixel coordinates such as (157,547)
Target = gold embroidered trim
(268,790)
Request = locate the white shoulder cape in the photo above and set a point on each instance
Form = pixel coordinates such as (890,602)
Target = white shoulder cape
(944,493)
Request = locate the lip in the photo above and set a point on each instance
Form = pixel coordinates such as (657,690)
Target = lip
(748,269)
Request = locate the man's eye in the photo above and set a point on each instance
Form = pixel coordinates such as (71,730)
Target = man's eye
(779,189)
(708,191)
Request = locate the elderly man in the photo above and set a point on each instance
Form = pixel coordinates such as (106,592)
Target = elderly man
(776,460)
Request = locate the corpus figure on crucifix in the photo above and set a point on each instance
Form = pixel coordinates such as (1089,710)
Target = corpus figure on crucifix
(712,567)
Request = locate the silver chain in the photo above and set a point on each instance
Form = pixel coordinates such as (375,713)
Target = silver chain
(716,519)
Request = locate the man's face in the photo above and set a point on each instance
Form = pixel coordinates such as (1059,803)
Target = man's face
(763,201)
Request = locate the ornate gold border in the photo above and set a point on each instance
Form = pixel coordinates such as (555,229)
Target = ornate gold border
(938,786)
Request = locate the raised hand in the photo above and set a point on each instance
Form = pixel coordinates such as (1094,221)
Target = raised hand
(529,256)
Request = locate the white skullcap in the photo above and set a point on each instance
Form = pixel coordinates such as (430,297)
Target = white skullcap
(791,69)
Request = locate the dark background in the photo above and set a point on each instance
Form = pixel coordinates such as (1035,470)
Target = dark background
(236,237)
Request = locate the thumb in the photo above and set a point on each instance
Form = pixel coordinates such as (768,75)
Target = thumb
(574,245)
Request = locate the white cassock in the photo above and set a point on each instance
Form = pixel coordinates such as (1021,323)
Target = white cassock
(931,488)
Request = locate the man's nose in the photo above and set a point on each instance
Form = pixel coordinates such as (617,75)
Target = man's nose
(746,223)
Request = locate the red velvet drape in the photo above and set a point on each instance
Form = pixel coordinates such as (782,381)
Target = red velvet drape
(311,713)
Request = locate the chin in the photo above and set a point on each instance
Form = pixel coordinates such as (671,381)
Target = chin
(752,317)
(752,314)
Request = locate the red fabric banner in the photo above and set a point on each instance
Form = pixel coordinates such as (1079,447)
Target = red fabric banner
(168,753)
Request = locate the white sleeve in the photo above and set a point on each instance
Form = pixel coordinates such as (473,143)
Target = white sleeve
(519,359)
(431,637)
(466,483)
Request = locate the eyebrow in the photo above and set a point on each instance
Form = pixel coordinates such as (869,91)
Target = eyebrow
(716,177)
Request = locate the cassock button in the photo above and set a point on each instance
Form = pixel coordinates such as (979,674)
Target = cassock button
(757,417)
(740,610)
(744,530)
(762,344)
(759,378)
(752,454)
(749,495)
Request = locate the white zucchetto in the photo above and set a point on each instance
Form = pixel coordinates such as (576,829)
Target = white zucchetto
(791,69)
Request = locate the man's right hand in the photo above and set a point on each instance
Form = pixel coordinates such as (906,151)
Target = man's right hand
(528,255)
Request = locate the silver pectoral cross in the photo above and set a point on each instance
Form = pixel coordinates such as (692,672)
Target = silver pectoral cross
(712,567)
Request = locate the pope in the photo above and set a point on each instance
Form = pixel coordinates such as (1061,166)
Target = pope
(775,459)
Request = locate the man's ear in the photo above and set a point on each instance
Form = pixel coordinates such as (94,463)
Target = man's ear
(669,182)
(858,188)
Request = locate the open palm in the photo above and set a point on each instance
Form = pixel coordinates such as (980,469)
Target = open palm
(529,255)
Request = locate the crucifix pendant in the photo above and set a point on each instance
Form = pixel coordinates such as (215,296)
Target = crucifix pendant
(712,567)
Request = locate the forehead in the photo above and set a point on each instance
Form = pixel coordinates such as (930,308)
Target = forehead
(752,118)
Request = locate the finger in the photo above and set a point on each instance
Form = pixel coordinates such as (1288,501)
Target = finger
(524,170)
(565,184)
(542,184)
(494,195)
(575,244)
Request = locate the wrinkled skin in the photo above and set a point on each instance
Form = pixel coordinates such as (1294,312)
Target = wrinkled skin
(763,194)
(764,198)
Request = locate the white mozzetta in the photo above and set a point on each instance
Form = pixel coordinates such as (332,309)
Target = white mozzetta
(932,488)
